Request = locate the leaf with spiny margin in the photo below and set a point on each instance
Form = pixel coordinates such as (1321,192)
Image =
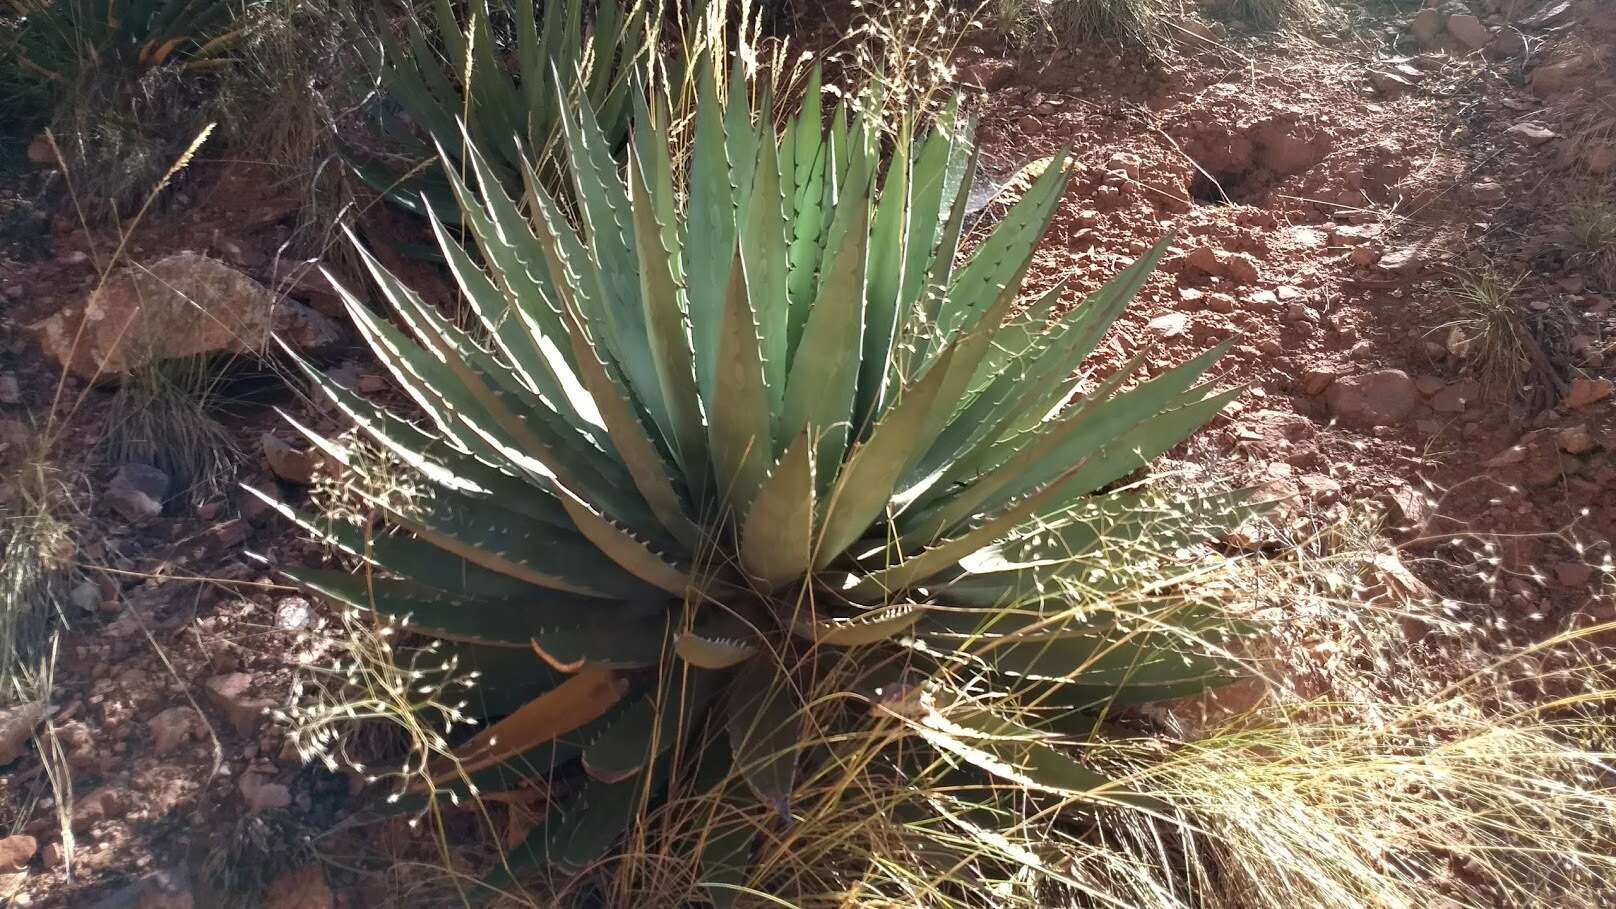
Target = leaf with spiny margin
(705,652)
(433,458)
(606,641)
(669,344)
(937,188)
(489,622)
(1091,426)
(867,480)
(1002,258)
(1096,428)
(634,445)
(871,628)
(962,487)
(407,556)
(740,138)
(764,721)
(578,700)
(807,215)
(483,392)
(763,247)
(1122,455)
(710,240)
(580,831)
(823,377)
(605,203)
(650,726)
(777,538)
(739,430)
(506,239)
(492,309)
(623,547)
(884,287)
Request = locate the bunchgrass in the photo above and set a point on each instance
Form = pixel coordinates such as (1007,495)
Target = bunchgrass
(166,414)
(1485,328)
(1591,238)
(1134,26)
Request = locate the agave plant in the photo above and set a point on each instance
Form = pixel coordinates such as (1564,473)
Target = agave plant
(739,414)
(507,78)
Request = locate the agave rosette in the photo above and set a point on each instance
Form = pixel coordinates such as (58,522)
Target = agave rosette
(730,416)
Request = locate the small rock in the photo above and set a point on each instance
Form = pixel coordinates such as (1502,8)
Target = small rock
(1400,260)
(1599,159)
(1265,300)
(1190,295)
(1469,31)
(1574,439)
(40,152)
(73,257)
(16,851)
(1205,260)
(17,727)
(1288,294)
(1531,133)
(1220,303)
(1487,192)
(266,796)
(286,462)
(1392,85)
(51,855)
(1319,487)
(1315,381)
(1585,392)
(1455,398)
(137,491)
(1170,325)
(1296,312)
(1429,385)
(1512,455)
(293,614)
(1560,77)
(87,596)
(1426,26)
(15,435)
(103,803)
(232,693)
(1407,508)
(173,728)
(1573,574)
(1365,256)
(1379,398)
(300,888)
(1241,269)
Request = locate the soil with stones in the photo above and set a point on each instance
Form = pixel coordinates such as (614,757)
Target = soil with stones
(1324,197)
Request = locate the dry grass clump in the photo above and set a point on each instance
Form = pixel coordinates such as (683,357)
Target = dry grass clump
(166,415)
(1591,238)
(1143,26)
(1485,328)
(1276,14)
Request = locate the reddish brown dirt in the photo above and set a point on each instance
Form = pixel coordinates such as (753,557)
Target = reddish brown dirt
(1316,162)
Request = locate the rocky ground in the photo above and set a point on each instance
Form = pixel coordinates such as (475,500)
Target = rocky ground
(1326,196)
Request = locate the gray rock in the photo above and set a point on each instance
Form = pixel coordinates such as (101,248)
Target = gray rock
(137,491)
